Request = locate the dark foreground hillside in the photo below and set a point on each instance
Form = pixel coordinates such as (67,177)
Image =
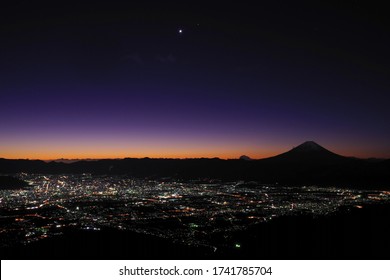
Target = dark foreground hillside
(349,234)
(11,183)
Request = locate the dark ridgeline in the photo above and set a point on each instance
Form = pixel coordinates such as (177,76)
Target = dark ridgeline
(308,163)
(11,183)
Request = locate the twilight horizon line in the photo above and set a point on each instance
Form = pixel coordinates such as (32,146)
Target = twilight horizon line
(269,155)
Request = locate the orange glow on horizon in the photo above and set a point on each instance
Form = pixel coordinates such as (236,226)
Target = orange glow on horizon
(72,156)
(166,154)
(100,149)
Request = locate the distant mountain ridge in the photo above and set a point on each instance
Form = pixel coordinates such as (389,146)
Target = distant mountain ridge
(308,163)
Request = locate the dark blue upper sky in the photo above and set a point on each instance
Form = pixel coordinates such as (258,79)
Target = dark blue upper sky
(116,78)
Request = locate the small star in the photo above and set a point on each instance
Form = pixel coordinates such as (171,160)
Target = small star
(180,31)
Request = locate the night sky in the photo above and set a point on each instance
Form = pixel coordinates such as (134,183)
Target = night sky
(190,79)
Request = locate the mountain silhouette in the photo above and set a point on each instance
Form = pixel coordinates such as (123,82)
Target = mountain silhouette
(244,157)
(310,152)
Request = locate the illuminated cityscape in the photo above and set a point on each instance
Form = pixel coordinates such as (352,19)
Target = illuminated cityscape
(188,211)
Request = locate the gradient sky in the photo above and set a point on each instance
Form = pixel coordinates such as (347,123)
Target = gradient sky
(116,79)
